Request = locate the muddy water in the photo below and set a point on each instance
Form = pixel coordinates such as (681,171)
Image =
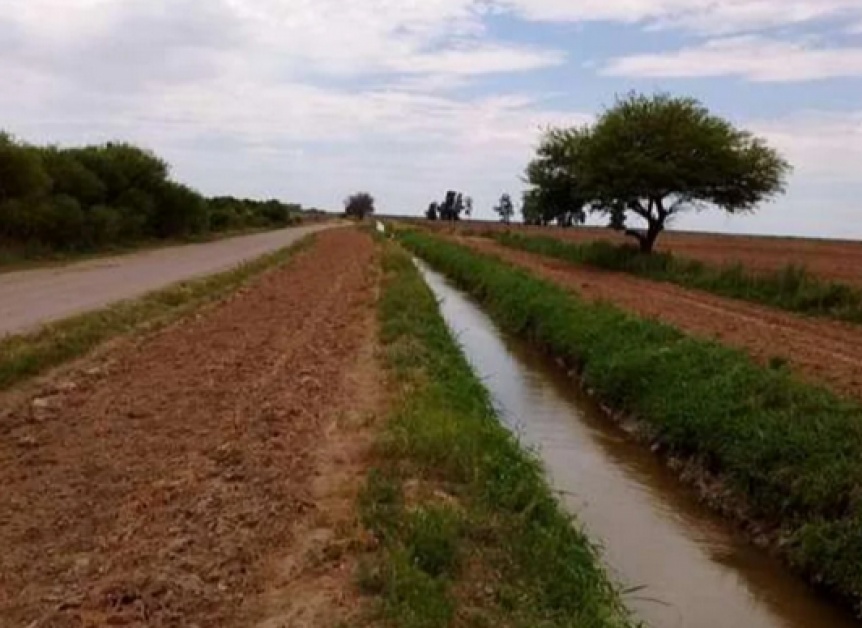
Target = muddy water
(688,567)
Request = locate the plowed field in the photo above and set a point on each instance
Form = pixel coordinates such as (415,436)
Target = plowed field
(825,352)
(831,260)
(182,481)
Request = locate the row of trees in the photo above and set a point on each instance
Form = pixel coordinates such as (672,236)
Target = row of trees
(451,208)
(91,197)
(649,157)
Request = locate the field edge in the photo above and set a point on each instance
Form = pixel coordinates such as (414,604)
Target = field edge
(32,354)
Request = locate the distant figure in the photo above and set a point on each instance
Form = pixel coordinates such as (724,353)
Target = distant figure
(381,228)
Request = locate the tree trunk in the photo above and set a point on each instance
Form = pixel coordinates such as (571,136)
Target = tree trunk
(646,239)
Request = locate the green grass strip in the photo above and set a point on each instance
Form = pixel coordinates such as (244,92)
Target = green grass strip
(27,355)
(792,288)
(792,452)
(469,533)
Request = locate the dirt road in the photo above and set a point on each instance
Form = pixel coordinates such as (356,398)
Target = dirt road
(822,351)
(33,297)
(192,478)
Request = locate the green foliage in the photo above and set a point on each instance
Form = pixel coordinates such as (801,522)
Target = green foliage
(791,451)
(557,192)
(478,533)
(21,172)
(654,157)
(359,205)
(81,199)
(791,288)
(451,208)
(505,208)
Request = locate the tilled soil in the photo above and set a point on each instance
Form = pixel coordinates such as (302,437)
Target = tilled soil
(823,352)
(832,260)
(165,486)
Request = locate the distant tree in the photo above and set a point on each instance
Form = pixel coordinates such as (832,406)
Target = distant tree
(655,157)
(359,205)
(433,211)
(454,205)
(505,209)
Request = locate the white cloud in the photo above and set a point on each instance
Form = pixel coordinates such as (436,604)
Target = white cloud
(754,58)
(301,98)
(308,99)
(712,16)
(823,147)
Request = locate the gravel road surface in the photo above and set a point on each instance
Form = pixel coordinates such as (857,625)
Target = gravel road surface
(33,297)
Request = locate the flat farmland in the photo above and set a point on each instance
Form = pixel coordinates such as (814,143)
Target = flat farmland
(834,260)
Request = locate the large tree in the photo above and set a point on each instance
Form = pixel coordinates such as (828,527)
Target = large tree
(359,205)
(557,191)
(654,157)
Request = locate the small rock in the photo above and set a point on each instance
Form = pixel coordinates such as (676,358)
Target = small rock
(28,441)
(43,403)
(179,545)
(66,387)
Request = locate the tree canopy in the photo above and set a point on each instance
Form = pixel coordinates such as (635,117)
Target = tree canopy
(451,208)
(89,197)
(557,191)
(653,157)
(359,205)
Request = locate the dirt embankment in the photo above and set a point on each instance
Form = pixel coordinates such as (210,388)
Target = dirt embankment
(824,352)
(205,476)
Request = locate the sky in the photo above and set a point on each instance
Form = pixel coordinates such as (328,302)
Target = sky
(310,100)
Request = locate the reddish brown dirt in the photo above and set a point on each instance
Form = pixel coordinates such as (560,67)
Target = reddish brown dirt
(831,260)
(824,352)
(171,485)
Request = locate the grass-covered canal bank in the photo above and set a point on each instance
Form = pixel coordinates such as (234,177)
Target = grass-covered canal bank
(790,452)
(467,529)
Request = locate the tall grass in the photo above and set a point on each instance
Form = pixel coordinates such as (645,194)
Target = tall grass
(790,451)
(469,533)
(792,288)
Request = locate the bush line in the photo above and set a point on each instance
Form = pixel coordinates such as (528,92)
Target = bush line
(792,288)
(465,524)
(57,201)
(27,355)
(791,452)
